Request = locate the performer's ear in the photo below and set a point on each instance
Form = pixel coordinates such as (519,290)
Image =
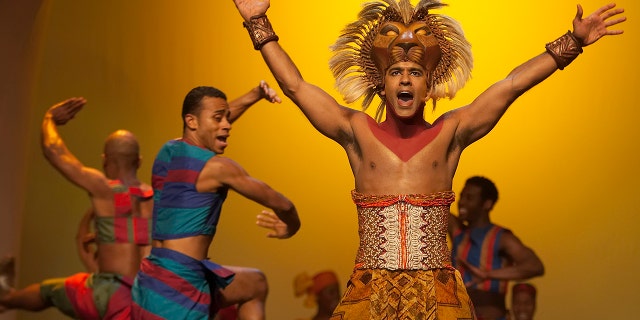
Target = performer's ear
(488,204)
(191,121)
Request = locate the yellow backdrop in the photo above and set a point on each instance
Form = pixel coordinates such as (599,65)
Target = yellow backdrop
(564,157)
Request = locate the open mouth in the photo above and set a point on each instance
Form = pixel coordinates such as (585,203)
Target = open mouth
(405,96)
(222,138)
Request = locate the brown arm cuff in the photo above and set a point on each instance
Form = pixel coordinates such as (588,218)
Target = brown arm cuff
(260,31)
(564,49)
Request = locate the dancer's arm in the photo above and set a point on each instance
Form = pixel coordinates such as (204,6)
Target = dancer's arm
(523,263)
(241,104)
(479,117)
(322,110)
(60,157)
(221,172)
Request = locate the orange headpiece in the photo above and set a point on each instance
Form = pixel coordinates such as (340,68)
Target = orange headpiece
(524,287)
(388,32)
(311,286)
(322,280)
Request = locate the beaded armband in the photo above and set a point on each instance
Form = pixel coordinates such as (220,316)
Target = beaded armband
(564,49)
(260,30)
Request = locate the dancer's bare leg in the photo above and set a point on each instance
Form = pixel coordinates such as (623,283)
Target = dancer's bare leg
(28,298)
(248,291)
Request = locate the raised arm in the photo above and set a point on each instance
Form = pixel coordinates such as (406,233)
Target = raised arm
(479,117)
(322,110)
(241,104)
(221,172)
(60,157)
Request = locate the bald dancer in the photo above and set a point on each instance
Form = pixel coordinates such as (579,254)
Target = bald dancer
(119,202)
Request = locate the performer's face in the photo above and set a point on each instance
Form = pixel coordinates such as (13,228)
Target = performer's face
(405,88)
(212,125)
(523,306)
(470,203)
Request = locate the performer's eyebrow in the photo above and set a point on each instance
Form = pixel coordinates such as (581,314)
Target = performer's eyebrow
(222,110)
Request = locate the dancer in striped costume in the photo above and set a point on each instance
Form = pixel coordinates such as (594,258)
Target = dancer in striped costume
(121,208)
(487,255)
(191,180)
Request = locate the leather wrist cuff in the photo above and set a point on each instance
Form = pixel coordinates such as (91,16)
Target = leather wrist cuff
(260,31)
(564,49)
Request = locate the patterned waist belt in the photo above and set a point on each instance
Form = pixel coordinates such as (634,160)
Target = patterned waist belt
(407,232)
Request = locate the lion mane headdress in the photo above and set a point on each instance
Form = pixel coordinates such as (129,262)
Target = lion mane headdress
(387,32)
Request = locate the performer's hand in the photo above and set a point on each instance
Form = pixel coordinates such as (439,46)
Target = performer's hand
(478,275)
(64,111)
(250,8)
(270,220)
(595,26)
(269,93)
(88,238)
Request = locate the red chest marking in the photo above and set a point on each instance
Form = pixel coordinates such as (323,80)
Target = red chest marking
(405,148)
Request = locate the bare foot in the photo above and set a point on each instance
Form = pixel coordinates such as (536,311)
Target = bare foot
(7,274)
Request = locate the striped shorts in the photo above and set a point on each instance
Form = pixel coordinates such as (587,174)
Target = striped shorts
(90,296)
(171,285)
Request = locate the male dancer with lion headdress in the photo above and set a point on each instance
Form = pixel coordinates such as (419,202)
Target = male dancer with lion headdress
(404,166)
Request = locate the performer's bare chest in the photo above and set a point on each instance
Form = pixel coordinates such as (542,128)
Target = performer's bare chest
(419,160)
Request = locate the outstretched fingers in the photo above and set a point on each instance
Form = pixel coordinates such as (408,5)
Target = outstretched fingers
(266,219)
(66,110)
(604,8)
(608,21)
(71,104)
(269,93)
(613,22)
(596,25)
(75,105)
(270,220)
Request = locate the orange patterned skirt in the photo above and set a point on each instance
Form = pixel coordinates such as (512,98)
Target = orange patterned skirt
(405,294)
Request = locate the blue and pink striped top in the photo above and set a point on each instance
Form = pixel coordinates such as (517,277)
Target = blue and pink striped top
(179,210)
(481,248)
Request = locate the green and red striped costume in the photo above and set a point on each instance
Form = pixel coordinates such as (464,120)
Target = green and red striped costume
(103,295)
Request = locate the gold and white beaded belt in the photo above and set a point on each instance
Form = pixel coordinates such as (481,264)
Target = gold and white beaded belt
(406,232)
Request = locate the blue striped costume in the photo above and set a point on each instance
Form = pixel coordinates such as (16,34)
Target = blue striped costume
(480,247)
(171,285)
